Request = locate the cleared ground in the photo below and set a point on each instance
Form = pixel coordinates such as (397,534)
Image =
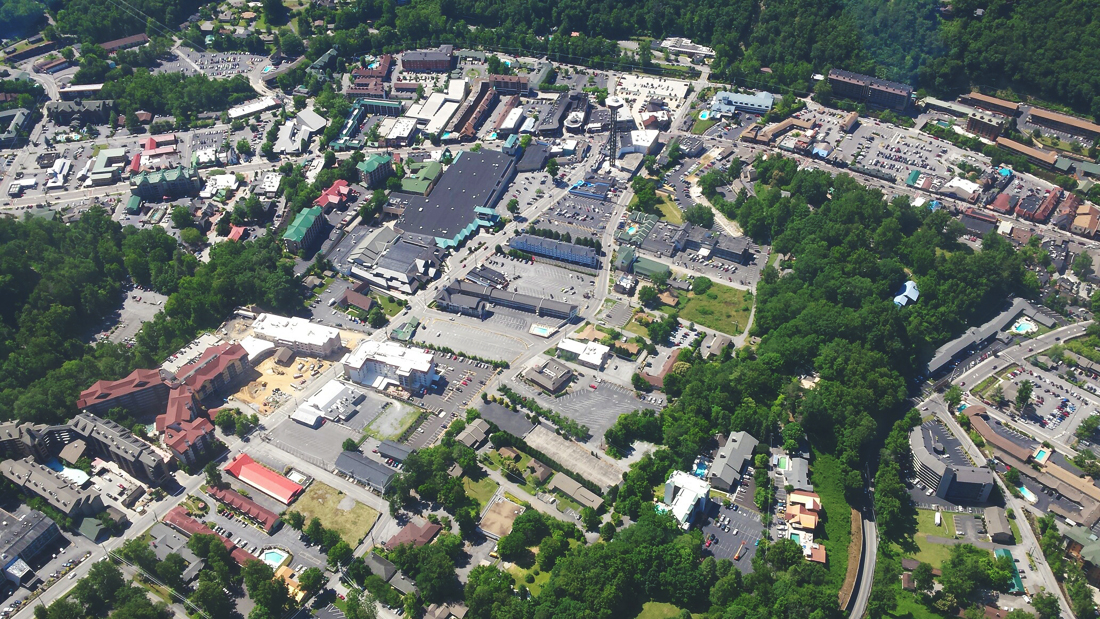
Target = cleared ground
(721,308)
(320,446)
(575,457)
(499,517)
(260,393)
(337,511)
(392,422)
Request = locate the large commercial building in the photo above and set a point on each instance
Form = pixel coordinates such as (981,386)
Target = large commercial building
(217,367)
(1042,158)
(168,183)
(871,90)
(557,250)
(729,103)
(986,124)
(304,229)
(375,169)
(24,534)
(438,60)
(464,200)
(458,297)
(244,468)
(990,104)
(686,498)
(361,469)
(141,392)
(509,84)
(108,440)
(58,491)
(297,334)
(388,261)
(382,364)
(731,461)
(1061,122)
(948,480)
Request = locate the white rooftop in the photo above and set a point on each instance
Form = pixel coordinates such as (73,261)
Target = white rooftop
(406,360)
(689,489)
(293,329)
(255,347)
(588,352)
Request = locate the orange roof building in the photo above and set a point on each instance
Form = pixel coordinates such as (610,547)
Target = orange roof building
(142,391)
(263,479)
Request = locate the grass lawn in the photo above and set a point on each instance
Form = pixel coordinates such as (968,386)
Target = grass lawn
(910,607)
(661,610)
(826,479)
(520,575)
(1016,538)
(389,304)
(669,211)
(930,552)
(636,328)
(701,126)
(324,502)
(722,308)
(481,490)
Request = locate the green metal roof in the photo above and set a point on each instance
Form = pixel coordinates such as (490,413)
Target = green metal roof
(302,223)
(370,164)
(133,204)
(647,267)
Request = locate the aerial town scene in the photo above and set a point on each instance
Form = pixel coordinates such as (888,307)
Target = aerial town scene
(450,309)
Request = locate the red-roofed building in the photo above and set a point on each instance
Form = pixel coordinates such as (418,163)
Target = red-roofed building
(186,431)
(417,535)
(125,43)
(1045,208)
(265,517)
(143,391)
(189,440)
(335,196)
(263,479)
(381,71)
(1004,203)
(178,518)
(217,367)
(236,232)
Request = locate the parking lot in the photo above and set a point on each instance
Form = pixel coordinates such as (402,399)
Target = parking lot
(544,280)
(129,318)
(465,334)
(597,408)
(744,528)
(224,64)
(319,446)
(1056,407)
(460,380)
(578,215)
(527,188)
(615,313)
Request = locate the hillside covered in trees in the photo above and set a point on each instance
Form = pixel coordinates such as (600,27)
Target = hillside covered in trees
(60,283)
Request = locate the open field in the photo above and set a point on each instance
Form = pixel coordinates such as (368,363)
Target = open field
(337,511)
(499,517)
(482,490)
(930,552)
(700,127)
(721,308)
(669,211)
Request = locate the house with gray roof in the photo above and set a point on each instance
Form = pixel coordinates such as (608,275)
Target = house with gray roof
(731,461)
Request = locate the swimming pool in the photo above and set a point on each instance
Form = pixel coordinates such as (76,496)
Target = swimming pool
(632,229)
(1028,495)
(541,330)
(781,464)
(274,557)
(704,115)
(1023,327)
(701,471)
(1042,454)
(795,538)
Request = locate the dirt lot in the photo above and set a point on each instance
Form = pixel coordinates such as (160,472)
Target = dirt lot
(499,517)
(337,511)
(260,393)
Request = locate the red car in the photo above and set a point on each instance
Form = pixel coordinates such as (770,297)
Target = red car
(593,385)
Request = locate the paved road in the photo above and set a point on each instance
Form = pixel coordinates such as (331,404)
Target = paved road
(973,376)
(867,569)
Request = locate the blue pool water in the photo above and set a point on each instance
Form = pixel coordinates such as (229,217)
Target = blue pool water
(701,471)
(795,538)
(704,115)
(274,557)
(1029,495)
(1042,453)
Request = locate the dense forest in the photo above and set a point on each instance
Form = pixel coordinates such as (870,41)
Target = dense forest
(59,284)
